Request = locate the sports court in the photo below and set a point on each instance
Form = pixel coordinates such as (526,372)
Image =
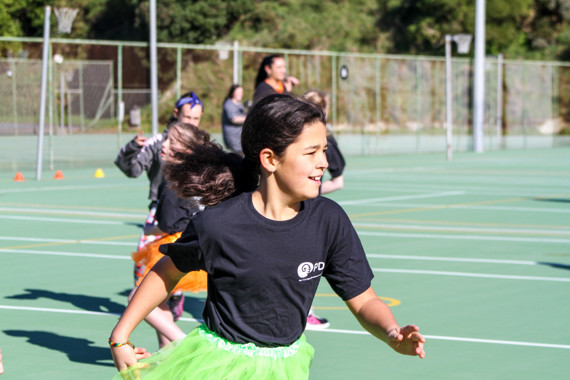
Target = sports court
(476,251)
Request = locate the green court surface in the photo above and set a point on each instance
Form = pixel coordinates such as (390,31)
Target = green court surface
(475,251)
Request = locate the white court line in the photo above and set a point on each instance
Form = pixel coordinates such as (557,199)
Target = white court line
(466,237)
(60,220)
(69,241)
(406,271)
(478,275)
(401,197)
(452,259)
(493,208)
(463,229)
(72,212)
(58,188)
(73,254)
(329,330)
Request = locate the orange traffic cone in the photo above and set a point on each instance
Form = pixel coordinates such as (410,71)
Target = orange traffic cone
(19,177)
(58,175)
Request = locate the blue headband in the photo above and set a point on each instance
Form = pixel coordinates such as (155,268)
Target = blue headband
(192,99)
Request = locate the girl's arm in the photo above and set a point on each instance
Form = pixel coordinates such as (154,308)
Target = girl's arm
(154,289)
(332,184)
(378,320)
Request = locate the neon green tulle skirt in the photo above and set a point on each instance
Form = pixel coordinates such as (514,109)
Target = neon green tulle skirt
(204,355)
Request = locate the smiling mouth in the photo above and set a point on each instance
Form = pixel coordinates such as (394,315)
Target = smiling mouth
(317,179)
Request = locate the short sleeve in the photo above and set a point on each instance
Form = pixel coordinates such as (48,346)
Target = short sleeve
(185,252)
(348,271)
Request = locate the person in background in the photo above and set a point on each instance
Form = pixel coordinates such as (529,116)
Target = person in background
(272,78)
(233,116)
(264,263)
(172,216)
(142,155)
(334,156)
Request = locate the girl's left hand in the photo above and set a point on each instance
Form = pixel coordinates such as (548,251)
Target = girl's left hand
(407,341)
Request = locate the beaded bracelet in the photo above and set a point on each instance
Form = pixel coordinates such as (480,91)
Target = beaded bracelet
(127,343)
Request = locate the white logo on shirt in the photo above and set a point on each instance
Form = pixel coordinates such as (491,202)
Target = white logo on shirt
(306,268)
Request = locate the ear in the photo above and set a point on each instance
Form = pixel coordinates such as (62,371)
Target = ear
(268,160)
(175,113)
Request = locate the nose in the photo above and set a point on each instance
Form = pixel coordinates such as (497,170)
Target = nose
(323,162)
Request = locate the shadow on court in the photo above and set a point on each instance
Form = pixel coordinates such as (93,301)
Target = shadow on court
(560,200)
(194,305)
(78,350)
(556,265)
(88,303)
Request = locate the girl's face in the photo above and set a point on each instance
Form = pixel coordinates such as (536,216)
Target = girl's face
(277,70)
(171,145)
(299,170)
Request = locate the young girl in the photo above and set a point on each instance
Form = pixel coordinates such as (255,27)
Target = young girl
(172,216)
(334,156)
(265,248)
(233,116)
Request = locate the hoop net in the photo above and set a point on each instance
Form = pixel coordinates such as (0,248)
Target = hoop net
(65,17)
(463,42)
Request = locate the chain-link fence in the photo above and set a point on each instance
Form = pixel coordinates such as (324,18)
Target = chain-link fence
(383,104)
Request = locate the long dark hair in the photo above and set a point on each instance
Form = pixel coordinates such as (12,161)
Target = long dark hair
(261,73)
(274,122)
(231,91)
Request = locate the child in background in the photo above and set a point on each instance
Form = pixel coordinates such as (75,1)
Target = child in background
(142,155)
(265,248)
(172,216)
(334,156)
(233,116)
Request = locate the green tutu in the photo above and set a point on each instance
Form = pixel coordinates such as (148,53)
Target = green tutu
(204,355)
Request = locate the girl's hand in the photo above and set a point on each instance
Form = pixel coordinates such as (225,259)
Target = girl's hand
(407,341)
(125,356)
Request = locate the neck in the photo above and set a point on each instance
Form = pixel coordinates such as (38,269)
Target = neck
(272,206)
(272,82)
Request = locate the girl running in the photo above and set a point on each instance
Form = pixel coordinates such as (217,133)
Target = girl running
(265,244)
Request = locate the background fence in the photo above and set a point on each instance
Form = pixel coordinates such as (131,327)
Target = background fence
(387,104)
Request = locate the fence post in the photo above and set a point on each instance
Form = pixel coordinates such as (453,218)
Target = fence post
(499,101)
(378,88)
(43,88)
(178,71)
(14,96)
(81,99)
(334,89)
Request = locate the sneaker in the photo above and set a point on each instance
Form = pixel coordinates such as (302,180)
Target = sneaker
(176,305)
(314,322)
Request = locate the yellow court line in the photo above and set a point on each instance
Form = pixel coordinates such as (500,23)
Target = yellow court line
(401,211)
(52,244)
(390,302)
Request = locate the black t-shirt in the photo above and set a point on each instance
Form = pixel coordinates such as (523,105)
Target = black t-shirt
(262,273)
(263,89)
(172,212)
(334,158)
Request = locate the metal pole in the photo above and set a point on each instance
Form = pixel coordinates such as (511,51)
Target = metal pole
(50,105)
(153,69)
(45,57)
(334,89)
(14,96)
(178,71)
(448,103)
(236,62)
(61,102)
(499,101)
(120,103)
(479,77)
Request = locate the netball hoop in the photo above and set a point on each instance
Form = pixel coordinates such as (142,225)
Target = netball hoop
(463,42)
(65,17)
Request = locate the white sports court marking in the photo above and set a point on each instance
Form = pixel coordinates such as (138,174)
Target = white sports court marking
(465,237)
(452,259)
(387,270)
(329,330)
(73,212)
(482,207)
(478,275)
(72,254)
(402,197)
(63,188)
(392,226)
(60,220)
(66,241)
